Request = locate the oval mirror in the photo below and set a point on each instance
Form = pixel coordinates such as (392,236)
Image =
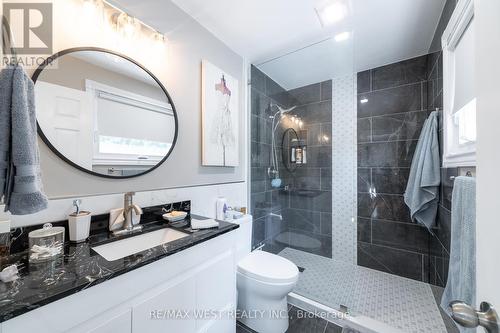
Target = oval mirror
(104,113)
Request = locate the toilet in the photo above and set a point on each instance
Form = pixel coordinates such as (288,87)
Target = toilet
(263,282)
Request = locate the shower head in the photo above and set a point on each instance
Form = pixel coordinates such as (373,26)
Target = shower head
(282,110)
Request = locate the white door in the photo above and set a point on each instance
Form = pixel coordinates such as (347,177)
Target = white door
(487,15)
(65,117)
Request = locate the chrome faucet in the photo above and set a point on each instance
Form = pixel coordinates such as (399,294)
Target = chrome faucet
(128,207)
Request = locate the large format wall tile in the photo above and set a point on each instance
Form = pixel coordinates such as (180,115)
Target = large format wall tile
(390,180)
(401,73)
(402,126)
(326,90)
(319,156)
(364,130)
(308,178)
(386,154)
(364,180)
(407,236)
(301,219)
(319,201)
(306,95)
(394,100)
(260,155)
(364,82)
(261,130)
(314,113)
(399,98)
(392,260)
(383,206)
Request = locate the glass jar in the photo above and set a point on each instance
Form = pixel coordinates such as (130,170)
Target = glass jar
(46,243)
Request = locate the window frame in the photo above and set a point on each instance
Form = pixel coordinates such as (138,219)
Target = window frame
(94,89)
(454,156)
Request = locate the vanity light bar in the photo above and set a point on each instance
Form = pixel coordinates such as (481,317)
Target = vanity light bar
(157,35)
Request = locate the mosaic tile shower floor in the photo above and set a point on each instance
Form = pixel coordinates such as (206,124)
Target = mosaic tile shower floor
(399,302)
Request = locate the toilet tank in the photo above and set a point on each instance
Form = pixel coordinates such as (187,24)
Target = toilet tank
(244,236)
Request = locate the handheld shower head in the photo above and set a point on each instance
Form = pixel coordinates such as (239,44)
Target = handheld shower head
(283,110)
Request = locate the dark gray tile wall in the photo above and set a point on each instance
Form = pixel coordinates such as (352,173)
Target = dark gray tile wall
(389,126)
(440,241)
(305,205)
(309,195)
(264,200)
(388,131)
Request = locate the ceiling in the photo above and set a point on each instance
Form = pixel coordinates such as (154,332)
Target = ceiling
(264,31)
(383,32)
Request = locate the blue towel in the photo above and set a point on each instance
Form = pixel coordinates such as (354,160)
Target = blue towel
(422,190)
(6,76)
(461,284)
(23,189)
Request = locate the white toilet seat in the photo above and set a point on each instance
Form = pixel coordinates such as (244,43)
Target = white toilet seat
(268,268)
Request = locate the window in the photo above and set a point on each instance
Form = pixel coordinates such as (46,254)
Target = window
(459,109)
(129,128)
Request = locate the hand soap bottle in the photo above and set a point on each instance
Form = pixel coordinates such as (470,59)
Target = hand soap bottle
(79,224)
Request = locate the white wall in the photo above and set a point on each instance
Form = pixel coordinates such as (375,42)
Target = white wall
(487,18)
(179,68)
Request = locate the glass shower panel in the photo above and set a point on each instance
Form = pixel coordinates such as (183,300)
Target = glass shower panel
(331,148)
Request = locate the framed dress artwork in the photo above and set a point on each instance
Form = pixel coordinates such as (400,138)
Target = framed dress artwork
(220,117)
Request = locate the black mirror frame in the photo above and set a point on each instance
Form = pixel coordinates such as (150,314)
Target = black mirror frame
(50,59)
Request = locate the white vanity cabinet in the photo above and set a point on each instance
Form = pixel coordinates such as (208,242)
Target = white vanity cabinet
(200,279)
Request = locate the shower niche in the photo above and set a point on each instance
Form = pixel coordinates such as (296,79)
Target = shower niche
(294,149)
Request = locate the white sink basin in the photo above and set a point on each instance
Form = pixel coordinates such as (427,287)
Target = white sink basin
(135,244)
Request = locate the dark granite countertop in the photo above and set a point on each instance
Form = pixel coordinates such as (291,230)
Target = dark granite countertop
(81,267)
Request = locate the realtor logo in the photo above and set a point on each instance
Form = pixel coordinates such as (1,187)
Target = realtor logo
(31,27)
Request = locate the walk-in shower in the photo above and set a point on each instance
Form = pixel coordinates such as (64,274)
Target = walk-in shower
(358,251)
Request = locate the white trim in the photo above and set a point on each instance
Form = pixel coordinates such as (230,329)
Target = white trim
(124,161)
(459,21)
(97,90)
(97,87)
(164,109)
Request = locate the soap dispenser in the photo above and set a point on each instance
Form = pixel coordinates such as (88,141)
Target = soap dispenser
(79,224)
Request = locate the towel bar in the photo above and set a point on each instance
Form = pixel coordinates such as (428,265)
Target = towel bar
(468,174)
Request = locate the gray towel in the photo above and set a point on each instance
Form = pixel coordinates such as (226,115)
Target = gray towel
(422,190)
(5,104)
(24,189)
(461,284)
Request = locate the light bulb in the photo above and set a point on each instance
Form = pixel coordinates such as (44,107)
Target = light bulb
(127,25)
(92,5)
(159,40)
(93,10)
(331,13)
